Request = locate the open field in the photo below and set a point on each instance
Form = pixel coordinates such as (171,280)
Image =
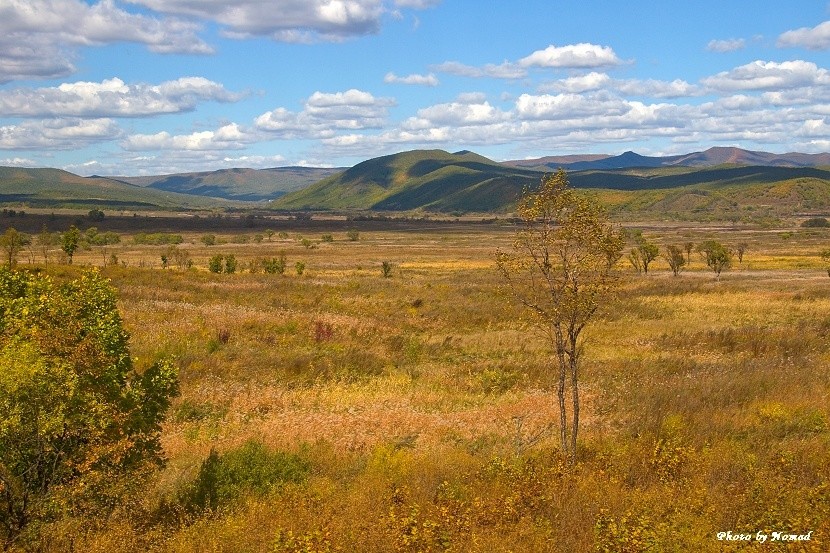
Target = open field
(413,403)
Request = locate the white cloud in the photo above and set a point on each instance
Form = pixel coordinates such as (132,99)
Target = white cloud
(57,134)
(582,55)
(723,46)
(325,113)
(652,88)
(504,70)
(18,162)
(288,20)
(761,75)
(227,137)
(580,83)
(816,38)
(567,106)
(414,79)
(457,114)
(38,37)
(112,98)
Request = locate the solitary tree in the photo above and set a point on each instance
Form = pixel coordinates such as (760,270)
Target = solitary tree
(562,268)
(70,240)
(716,255)
(77,420)
(648,251)
(12,242)
(675,259)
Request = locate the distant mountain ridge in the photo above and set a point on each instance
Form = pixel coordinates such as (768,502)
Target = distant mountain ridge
(726,180)
(240,184)
(711,157)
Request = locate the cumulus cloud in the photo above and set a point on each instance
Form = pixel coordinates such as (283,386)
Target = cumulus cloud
(57,134)
(228,137)
(815,38)
(583,55)
(112,98)
(325,113)
(38,38)
(768,75)
(414,79)
(723,46)
(288,20)
(458,114)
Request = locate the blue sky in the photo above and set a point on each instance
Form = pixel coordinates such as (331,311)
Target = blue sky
(132,87)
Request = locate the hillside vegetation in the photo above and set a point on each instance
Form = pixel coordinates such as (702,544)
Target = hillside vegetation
(56,188)
(249,185)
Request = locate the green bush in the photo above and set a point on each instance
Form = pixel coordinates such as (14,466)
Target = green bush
(249,469)
(215,263)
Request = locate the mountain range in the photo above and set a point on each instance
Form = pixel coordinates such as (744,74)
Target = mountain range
(719,180)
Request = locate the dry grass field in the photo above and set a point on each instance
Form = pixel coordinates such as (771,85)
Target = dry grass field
(353,412)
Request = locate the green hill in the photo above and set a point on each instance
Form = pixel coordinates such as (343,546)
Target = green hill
(56,188)
(249,185)
(433,180)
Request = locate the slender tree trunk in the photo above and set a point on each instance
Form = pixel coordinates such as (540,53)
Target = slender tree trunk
(563,413)
(574,359)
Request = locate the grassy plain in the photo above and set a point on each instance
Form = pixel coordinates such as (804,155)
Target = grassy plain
(420,404)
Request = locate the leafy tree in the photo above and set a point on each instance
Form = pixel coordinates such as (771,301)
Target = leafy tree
(561,269)
(716,255)
(78,422)
(230,264)
(674,257)
(12,242)
(648,252)
(70,240)
(215,263)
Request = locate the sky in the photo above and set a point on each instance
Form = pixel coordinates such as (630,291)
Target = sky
(147,87)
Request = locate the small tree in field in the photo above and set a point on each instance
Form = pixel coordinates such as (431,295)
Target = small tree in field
(12,242)
(674,257)
(648,252)
(70,240)
(78,423)
(716,255)
(562,268)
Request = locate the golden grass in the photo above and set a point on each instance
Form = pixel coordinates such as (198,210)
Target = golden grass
(418,399)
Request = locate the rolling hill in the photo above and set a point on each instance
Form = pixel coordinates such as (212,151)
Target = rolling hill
(57,188)
(248,185)
(718,183)
(434,180)
(422,179)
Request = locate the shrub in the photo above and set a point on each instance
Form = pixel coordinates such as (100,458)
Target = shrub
(386,269)
(77,422)
(230,264)
(208,239)
(328,238)
(353,235)
(299,266)
(215,263)
(275,265)
(816,222)
(249,469)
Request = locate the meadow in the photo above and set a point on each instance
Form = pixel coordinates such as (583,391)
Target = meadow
(335,408)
